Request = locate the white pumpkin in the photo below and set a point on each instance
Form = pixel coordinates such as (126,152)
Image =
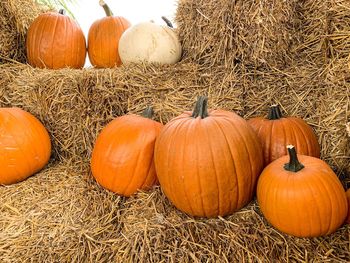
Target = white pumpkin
(149,42)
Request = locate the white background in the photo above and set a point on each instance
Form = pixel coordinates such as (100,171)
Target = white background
(88,11)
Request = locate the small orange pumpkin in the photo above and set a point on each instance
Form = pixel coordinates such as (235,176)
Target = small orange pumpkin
(302,198)
(208,161)
(103,39)
(55,41)
(277,131)
(25,146)
(348,197)
(122,158)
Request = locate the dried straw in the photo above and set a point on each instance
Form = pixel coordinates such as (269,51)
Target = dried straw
(339,38)
(264,33)
(333,113)
(320,96)
(312,29)
(74,105)
(59,215)
(15,18)
(227,32)
(62,100)
(174,89)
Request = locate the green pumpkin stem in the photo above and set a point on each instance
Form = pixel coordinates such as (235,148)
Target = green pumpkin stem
(108,11)
(148,112)
(275,112)
(201,108)
(167,21)
(294,165)
(62,12)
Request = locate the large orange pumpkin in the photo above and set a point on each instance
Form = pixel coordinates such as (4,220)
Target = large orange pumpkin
(302,198)
(25,146)
(276,132)
(122,158)
(208,161)
(103,39)
(55,41)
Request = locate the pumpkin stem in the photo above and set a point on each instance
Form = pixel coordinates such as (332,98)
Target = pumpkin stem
(148,112)
(294,165)
(108,11)
(167,21)
(201,108)
(62,11)
(275,112)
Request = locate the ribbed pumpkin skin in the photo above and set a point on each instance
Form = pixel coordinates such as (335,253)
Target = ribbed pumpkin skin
(308,203)
(348,197)
(25,146)
(55,41)
(275,135)
(103,41)
(122,158)
(208,167)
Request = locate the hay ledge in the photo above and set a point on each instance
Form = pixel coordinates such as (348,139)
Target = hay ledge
(15,18)
(60,215)
(75,105)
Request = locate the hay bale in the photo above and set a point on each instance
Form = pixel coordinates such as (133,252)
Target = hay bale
(324,30)
(15,18)
(172,90)
(264,33)
(311,40)
(226,32)
(154,231)
(74,105)
(332,114)
(339,38)
(302,91)
(62,100)
(8,73)
(60,215)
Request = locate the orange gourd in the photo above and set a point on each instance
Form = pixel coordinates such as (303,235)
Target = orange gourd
(276,131)
(122,158)
(301,198)
(348,197)
(25,146)
(208,161)
(103,39)
(55,41)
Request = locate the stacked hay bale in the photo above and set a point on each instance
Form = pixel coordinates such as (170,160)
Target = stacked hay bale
(228,32)
(339,38)
(284,51)
(333,113)
(63,216)
(311,35)
(319,97)
(15,18)
(259,33)
(323,30)
(74,105)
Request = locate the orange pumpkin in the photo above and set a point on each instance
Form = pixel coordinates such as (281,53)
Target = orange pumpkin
(103,39)
(55,41)
(348,197)
(302,198)
(25,146)
(122,158)
(208,161)
(277,131)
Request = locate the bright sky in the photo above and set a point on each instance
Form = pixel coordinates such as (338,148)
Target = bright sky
(88,11)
